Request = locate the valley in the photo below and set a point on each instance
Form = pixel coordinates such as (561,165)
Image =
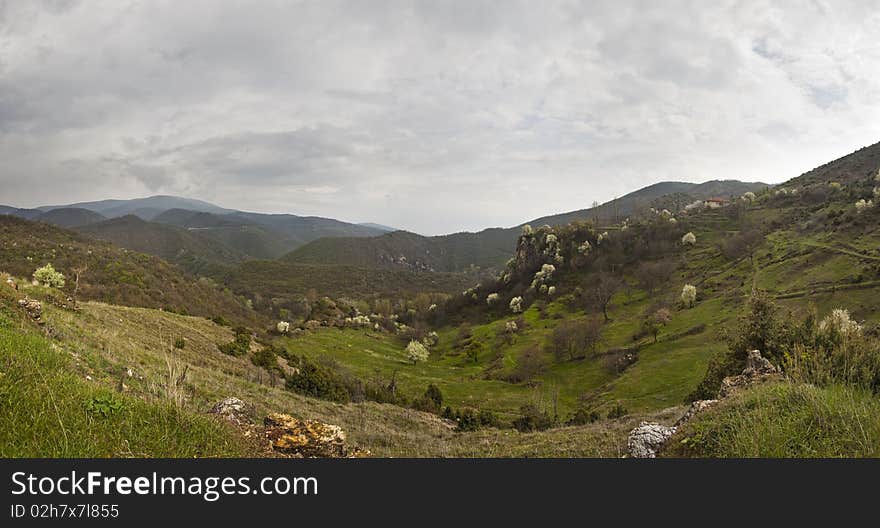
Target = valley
(553,338)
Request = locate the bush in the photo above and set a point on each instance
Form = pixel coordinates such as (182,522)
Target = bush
(468,420)
(532,419)
(575,339)
(618,411)
(47,276)
(239,346)
(266,358)
(317,381)
(583,417)
(179,343)
(431,401)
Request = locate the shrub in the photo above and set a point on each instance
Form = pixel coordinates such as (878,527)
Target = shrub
(689,239)
(575,339)
(47,276)
(467,420)
(618,411)
(265,357)
(583,417)
(317,381)
(529,364)
(431,401)
(282,327)
(239,346)
(179,343)
(532,419)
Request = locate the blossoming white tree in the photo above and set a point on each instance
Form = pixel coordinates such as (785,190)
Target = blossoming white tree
(416,352)
(516,304)
(689,239)
(861,205)
(492,298)
(283,327)
(689,295)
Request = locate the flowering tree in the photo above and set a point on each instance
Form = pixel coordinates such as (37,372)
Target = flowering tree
(861,205)
(283,327)
(656,321)
(689,239)
(689,295)
(839,322)
(516,304)
(492,298)
(416,352)
(47,276)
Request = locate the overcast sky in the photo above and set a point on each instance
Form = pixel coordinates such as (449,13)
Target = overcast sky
(430,116)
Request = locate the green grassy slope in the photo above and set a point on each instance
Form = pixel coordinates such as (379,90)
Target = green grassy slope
(110,273)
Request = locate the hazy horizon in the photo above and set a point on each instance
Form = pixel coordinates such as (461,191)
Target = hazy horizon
(430,117)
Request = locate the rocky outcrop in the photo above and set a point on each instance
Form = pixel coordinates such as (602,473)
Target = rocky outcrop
(307,438)
(287,436)
(235,411)
(645,440)
(33,308)
(648,438)
(758,370)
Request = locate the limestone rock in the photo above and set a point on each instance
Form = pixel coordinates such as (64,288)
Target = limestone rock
(695,408)
(756,364)
(234,410)
(645,440)
(307,438)
(33,307)
(758,370)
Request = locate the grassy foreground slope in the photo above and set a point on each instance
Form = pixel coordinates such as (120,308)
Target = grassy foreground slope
(88,359)
(50,408)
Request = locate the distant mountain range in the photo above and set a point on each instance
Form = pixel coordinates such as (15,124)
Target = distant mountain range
(492,247)
(205,238)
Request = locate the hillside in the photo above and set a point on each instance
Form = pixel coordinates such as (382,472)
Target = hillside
(179,246)
(491,248)
(249,239)
(69,217)
(110,273)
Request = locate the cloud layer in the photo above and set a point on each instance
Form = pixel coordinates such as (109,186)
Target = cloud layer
(430,116)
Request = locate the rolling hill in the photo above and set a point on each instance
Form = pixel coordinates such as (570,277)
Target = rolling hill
(490,248)
(70,217)
(110,273)
(173,244)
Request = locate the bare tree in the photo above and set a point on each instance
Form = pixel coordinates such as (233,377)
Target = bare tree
(601,290)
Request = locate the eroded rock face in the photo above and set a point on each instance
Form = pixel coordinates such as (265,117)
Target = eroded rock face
(696,408)
(307,438)
(645,440)
(234,410)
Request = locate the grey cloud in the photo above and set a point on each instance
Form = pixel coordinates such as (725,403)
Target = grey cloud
(432,116)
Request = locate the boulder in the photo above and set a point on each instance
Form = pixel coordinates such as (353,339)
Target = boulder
(234,410)
(306,438)
(645,440)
